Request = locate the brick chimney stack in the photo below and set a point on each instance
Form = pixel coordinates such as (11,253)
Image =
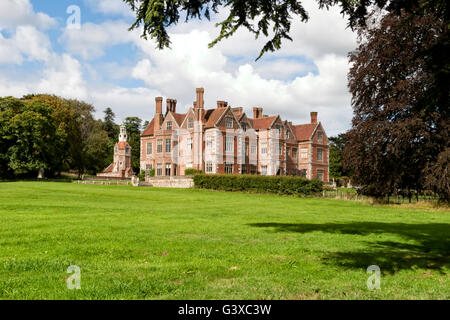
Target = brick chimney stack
(257,113)
(222,104)
(174,105)
(239,110)
(200,98)
(314,117)
(158,114)
(169,105)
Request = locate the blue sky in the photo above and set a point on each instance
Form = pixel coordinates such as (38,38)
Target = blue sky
(104,64)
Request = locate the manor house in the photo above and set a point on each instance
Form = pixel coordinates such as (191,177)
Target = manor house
(225,140)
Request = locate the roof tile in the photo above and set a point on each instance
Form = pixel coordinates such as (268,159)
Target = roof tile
(304,132)
(150,130)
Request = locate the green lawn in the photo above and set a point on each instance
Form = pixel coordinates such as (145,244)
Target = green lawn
(144,243)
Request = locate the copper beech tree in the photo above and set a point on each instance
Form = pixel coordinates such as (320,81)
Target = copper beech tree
(399,141)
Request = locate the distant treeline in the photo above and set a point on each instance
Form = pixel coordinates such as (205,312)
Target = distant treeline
(58,135)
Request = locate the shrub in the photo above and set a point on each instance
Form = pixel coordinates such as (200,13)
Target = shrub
(151,172)
(192,172)
(142,175)
(262,184)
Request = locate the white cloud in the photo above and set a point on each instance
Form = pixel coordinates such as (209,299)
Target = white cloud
(307,75)
(64,77)
(20,12)
(125,102)
(191,64)
(9,53)
(61,76)
(283,68)
(27,43)
(91,40)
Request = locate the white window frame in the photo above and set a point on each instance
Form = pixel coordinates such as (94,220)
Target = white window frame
(229,144)
(168,167)
(253,148)
(263,147)
(190,123)
(159,169)
(209,142)
(320,174)
(159,147)
(228,166)
(319,151)
(229,122)
(264,170)
(320,136)
(149,148)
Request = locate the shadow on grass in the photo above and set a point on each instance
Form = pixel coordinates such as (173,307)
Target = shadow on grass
(430,248)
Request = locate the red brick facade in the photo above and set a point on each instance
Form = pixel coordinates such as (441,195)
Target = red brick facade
(226,140)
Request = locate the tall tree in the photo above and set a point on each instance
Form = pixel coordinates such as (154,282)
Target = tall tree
(29,137)
(270,18)
(133,126)
(109,125)
(399,136)
(75,118)
(97,150)
(337,146)
(112,130)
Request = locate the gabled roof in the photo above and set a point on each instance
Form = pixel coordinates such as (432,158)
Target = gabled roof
(304,132)
(244,118)
(109,169)
(149,131)
(179,117)
(215,116)
(238,113)
(263,123)
(207,114)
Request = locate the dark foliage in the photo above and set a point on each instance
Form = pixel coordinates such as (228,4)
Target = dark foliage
(399,138)
(133,126)
(191,172)
(261,184)
(272,19)
(56,134)
(337,146)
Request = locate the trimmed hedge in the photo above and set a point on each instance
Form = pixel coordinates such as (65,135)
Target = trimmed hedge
(191,172)
(262,184)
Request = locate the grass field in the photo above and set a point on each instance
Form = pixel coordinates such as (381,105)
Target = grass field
(144,243)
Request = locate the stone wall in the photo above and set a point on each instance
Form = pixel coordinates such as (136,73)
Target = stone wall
(170,182)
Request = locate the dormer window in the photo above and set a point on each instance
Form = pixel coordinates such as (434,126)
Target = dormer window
(244,127)
(320,135)
(229,122)
(191,123)
(278,129)
(169,125)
